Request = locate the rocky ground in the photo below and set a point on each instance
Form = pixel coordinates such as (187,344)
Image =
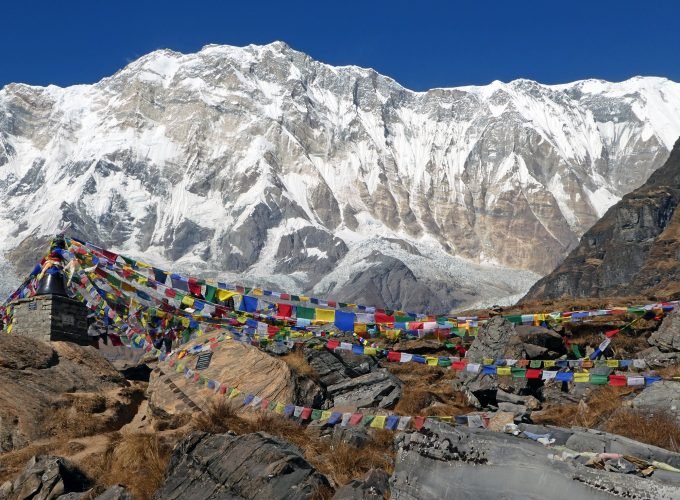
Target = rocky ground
(74,426)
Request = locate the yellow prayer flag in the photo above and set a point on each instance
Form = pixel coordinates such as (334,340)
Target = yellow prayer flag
(431,361)
(360,327)
(185,322)
(582,377)
(257,291)
(613,363)
(303,298)
(326,414)
(188,301)
(223,295)
(487,361)
(143,264)
(370,351)
(379,422)
(279,408)
(503,371)
(234,392)
(325,315)
(549,363)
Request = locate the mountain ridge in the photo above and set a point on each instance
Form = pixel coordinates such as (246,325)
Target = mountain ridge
(263,165)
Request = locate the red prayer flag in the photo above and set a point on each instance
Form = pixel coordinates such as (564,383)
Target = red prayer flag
(264,404)
(285,310)
(533,373)
(306,413)
(618,380)
(332,344)
(381,317)
(393,356)
(115,340)
(223,389)
(356,419)
(611,333)
(458,365)
(419,422)
(169,292)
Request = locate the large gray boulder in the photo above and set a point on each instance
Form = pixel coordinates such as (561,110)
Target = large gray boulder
(445,462)
(667,337)
(661,396)
(251,466)
(375,389)
(47,478)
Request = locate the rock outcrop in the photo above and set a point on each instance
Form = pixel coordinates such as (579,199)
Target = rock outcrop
(40,382)
(454,462)
(660,397)
(246,467)
(667,337)
(47,478)
(172,397)
(632,250)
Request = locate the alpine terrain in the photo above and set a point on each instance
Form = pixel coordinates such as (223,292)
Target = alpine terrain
(264,166)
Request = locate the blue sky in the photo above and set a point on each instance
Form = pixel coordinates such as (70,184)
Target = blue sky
(422,44)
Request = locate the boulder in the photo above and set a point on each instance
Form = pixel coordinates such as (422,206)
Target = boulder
(213,466)
(667,337)
(534,342)
(374,485)
(656,359)
(173,398)
(47,478)
(375,389)
(491,342)
(507,397)
(663,396)
(441,461)
(335,367)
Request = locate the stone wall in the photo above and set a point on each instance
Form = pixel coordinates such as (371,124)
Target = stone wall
(51,317)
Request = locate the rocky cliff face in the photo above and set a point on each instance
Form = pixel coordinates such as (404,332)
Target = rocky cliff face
(634,249)
(259,164)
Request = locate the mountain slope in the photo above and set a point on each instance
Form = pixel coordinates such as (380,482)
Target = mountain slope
(633,250)
(259,164)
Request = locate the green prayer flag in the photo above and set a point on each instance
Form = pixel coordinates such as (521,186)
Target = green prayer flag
(113,280)
(402,319)
(316,414)
(304,312)
(598,379)
(444,362)
(576,351)
(535,363)
(367,420)
(210,293)
(516,319)
(518,372)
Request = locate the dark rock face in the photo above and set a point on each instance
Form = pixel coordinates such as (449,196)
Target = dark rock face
(454,462)
(633,249)
(352,381)
(251,466)
(47,478)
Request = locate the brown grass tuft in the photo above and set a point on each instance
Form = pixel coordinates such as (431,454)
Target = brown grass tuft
(660,429)
(138,461)
(428,391)
(297,363)
(598,405)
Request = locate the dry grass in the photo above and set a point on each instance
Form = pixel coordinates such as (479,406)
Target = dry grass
(428,391)
(298,365)
(138,461)
(660,429)
(591,412)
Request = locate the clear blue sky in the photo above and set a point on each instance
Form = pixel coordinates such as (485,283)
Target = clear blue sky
(422,44)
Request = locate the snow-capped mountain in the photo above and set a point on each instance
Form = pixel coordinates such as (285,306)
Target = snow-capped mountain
(260,164)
